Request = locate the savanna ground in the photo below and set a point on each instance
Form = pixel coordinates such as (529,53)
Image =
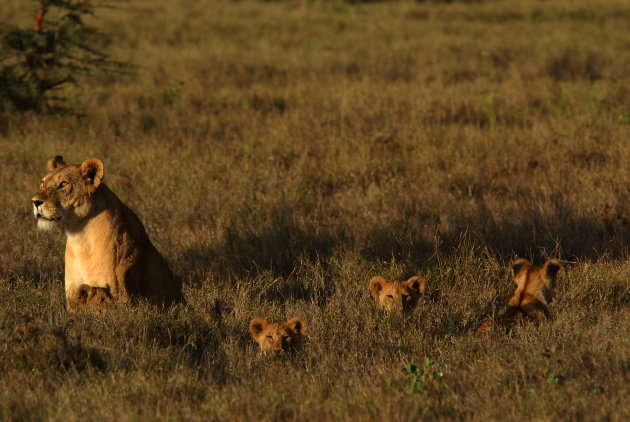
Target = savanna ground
(280,155)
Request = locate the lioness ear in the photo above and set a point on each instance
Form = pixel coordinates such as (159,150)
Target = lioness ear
(55,162)
(552,267)
(519,264)
(417,283)
(376,285)
(297,324)
(84,293)
(256,326)
(92,170)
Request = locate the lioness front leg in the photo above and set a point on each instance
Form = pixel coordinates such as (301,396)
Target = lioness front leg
(73,281)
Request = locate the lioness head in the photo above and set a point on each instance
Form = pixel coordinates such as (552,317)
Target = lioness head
(65,194)
(278,336)
(98,299)
(395,294)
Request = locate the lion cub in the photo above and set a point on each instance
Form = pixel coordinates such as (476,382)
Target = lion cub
(534,291)
(97,299)
(278,336)
(398,295)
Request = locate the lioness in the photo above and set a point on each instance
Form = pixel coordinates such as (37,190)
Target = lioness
(534,291)
(396,294)
(98,299)
(278,336)
(106,242)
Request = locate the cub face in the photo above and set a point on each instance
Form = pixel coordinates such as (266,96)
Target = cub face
(278,336)
(99,299)
(65,193)
(396,294)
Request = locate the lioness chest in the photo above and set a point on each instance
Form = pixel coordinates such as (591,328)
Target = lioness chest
(90,259)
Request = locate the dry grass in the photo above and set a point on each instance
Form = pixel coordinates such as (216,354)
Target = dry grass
(280,154)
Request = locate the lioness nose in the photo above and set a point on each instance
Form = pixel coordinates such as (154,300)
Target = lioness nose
(37,202)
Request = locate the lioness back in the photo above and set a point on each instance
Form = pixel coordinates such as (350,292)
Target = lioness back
(107,245)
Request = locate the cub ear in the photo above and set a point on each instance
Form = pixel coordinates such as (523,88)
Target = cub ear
(552,267)
(519,264)
(108,292)
(92,170)
(417,283)
(55,162)
(257,325)
(84,293)
(376,285)
(298,325)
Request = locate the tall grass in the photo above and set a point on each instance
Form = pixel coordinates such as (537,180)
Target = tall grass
(280,155)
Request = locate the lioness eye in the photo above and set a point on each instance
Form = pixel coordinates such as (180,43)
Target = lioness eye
(63,185)
(269,337)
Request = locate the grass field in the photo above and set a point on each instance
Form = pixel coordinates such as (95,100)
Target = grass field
(280,154)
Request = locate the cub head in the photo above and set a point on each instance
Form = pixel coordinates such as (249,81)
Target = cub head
(395,294)
(98,299)
(278,336)
(549,270)
(539,279)
(65,194)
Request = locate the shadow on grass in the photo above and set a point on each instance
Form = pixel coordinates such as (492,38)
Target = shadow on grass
(33,272)
(284,242)
(276,245)
(198,342)
(561,232)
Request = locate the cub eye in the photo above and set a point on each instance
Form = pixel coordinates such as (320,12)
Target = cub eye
(285,338)
(405,296)
(390,296)
(269,337)
(62,185)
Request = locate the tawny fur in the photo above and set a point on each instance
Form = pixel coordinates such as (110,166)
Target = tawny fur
(535,286)
(278,336)
(396,294)
(107,245)
(97,299)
